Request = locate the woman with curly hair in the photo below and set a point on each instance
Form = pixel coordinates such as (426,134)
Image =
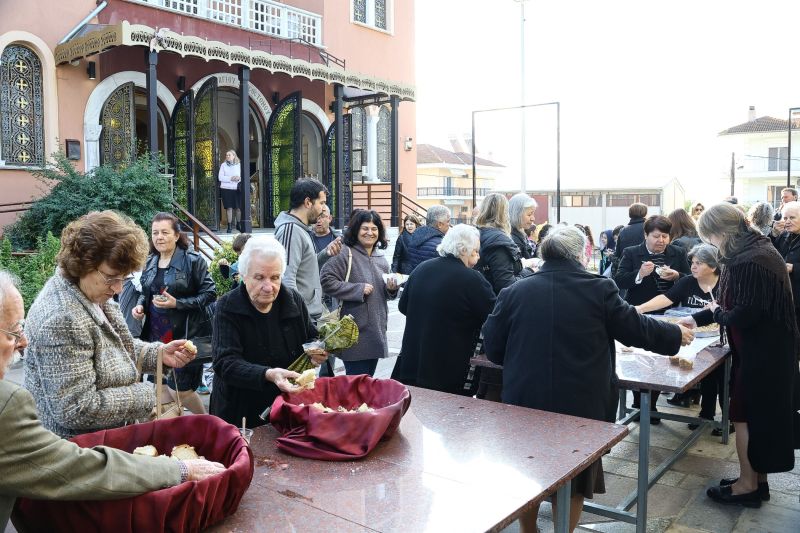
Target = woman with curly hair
(80,364)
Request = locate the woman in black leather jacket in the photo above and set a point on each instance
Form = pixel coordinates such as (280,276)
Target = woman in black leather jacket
(176,289)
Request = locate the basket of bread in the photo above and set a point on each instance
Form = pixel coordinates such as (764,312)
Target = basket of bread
(189,506)
(339,418)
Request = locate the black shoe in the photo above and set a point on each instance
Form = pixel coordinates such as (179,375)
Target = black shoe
(229,229)
(239,227)
(693,426)
(763,486)
(654,420)
(680,400)
(723,494)
(717,432)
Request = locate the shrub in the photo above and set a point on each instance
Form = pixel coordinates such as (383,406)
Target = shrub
(135,189)
(225,251)
(33,270)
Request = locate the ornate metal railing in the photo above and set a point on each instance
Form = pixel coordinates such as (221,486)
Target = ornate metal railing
(210,238)
(408,206)
(263,16)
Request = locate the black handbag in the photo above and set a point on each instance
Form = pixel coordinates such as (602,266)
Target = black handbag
(202,342)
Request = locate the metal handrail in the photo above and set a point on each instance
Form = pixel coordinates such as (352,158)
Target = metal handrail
(407,206)
(197,227)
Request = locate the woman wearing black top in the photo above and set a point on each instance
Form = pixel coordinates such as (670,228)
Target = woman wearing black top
(697,291)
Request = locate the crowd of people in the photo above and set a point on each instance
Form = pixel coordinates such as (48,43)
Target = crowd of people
(524,289)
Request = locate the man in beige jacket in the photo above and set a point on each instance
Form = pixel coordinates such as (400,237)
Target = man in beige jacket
(36,463)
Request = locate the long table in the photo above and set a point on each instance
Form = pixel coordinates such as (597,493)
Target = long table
(645,372)
(455,464)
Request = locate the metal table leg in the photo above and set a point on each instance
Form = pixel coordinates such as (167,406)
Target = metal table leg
(562,507)
(623,396)
(644,461)
(726,400)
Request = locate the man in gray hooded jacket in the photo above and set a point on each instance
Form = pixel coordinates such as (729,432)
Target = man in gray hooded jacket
(306,201)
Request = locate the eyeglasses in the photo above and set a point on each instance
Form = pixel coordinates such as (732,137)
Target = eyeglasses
(114,281)
(16,334)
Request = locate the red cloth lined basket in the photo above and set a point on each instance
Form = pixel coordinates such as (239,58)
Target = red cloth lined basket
(308,432)
(190,506)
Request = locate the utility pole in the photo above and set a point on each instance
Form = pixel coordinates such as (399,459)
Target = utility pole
(523,171)
(733,171)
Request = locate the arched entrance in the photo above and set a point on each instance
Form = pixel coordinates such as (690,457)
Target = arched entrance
(312,148)
(124,126)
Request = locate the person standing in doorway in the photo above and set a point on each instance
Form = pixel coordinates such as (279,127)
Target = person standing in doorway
(229,179)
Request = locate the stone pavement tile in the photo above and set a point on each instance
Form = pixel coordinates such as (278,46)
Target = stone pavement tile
(667,435)
(676,528)
(709,446)
(768,519)
(692,481)
(783,499)
(672,479)
(654,525)
(709,467)
(705,515)
(630,451)
(785,482)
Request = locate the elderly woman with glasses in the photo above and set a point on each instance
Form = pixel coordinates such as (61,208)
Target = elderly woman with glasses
(80,363)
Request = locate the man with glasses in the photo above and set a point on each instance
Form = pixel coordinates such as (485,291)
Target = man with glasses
(38,464)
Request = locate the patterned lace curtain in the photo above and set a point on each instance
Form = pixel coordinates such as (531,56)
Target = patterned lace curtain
(21,107)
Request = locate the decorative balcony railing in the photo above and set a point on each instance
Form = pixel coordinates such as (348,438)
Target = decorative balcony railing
(263,16)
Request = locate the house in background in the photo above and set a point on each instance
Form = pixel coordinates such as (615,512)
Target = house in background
(603,208)
(121,78)
(444,177)
(761,151)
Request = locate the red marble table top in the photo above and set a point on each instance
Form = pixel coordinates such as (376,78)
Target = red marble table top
(647,371)
(449,453)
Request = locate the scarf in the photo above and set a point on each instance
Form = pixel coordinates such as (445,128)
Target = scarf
(756,276)
(230,163)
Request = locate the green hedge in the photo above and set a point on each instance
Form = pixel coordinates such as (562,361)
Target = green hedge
(32,270)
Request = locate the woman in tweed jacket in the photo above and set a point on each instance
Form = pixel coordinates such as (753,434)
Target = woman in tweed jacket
(80,363)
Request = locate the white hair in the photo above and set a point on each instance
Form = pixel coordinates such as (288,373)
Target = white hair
(517,205)
(462,239)
(794,205)
(263,246)
(8,281)
(437,213)
(564,242)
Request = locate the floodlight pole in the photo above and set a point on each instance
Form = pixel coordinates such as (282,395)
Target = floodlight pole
(789,149)
(558,150)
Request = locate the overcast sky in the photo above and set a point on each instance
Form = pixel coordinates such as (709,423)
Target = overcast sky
(644,88)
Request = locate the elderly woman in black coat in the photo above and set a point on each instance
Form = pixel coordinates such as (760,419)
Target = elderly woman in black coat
(756,310)
(259,330)
(547,366)
(445,303)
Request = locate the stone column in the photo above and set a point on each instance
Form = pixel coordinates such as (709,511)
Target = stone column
(373,114)
(91,145)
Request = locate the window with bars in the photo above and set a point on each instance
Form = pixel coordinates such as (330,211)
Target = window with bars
(384,134)
(21,107)
(625,200)
(265,17)
(375,13)
(380,14)
(588,199)
(302,26)
(185,6)
(360,11)
(358,142)
(228,11)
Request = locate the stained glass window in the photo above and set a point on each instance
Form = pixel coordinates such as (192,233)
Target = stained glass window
(283,153)
(360,11)
(182,145)
(384,134)
(380,14)
(205,155)
(359,141)
(21,107)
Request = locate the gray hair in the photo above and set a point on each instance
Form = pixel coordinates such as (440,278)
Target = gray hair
(263,246)
(564,242)
(727,223)
(437,213)
(517,205)
(7,281)
(791,206)
(761,214)
(462,239)
(706,254)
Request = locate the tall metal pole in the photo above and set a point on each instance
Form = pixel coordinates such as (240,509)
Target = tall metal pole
(244,148)
(733,171)
(523,177)
(338,110)
(394,156)
(474,179)
(789,152)
(558,161)
(152,104)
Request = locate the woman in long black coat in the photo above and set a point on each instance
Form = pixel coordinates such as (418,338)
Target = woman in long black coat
(445,303)
(757,313)
(546,365)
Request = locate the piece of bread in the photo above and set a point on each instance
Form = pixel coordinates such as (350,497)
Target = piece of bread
(673,360)
(307,378)
(148,450)
(686,364)
(190,347)
(183,452)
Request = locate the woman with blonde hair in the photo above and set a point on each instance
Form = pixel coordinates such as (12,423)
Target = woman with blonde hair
(229,179)
(696,210)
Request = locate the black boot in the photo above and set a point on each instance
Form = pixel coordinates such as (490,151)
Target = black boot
(229,228)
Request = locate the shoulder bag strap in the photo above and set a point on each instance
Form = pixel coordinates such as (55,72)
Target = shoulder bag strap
(158,384)
(347,276)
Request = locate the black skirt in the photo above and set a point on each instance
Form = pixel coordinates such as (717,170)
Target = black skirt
(230,198)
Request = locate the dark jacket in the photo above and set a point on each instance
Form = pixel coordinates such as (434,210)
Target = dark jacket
(445,304)
(522,242)
(674,257)
(188,280)
(422,246)
(243,352)
(687,242)
(630,235)
(788,245)
(500,260)
(400,260)
(546,365)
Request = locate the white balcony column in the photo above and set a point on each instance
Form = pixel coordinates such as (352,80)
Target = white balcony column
(245,6)
(202,8)
(283,17)
(373,116)
(91,145)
